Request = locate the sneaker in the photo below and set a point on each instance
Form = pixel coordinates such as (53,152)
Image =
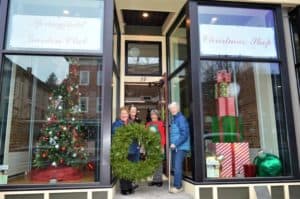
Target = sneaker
(175,190)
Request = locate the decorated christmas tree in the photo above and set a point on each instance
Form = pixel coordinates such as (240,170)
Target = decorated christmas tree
(62,138)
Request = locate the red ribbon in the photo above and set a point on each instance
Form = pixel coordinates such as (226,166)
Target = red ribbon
(233,160)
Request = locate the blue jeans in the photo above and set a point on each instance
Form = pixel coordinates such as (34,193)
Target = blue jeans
(177,164)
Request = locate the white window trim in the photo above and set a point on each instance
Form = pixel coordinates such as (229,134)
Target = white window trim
(87,104)
(99,78)
(81,75)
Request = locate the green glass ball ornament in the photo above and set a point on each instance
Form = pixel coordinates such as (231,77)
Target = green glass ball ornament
(268,165)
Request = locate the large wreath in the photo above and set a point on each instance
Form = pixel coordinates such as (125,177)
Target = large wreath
(125,169)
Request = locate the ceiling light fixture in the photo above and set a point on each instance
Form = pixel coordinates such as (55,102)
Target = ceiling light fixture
(66,12)
(145,14)
(214,20)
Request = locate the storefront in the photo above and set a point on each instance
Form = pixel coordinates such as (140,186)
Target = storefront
(232,67)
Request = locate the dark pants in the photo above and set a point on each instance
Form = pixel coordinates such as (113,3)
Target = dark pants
(126,185)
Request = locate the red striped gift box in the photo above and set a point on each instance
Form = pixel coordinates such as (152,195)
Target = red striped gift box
(236,155)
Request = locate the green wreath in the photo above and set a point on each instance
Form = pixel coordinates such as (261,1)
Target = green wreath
(125,169)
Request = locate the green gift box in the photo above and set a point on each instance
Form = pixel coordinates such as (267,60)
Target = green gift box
(227,129)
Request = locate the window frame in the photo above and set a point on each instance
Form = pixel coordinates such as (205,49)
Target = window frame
(194,61)
(99,77)
(81,77)
(127,42)
(103,176)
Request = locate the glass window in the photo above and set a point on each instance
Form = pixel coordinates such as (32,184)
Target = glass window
(180,94)
(99,101)
(296,37)
(143,58)
(60,25)
(84,104)
(238,32)
(244,120)
(99,78)
(84,77)
(178,47)
(48,139)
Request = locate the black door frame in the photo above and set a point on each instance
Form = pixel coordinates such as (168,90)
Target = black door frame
(104,137)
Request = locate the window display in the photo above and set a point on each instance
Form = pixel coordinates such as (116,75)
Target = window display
(244,120)
(245,128)
(48,138)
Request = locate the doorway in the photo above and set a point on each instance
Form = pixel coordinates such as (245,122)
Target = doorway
(151,49)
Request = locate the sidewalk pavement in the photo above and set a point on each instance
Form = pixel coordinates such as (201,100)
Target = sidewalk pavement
(146,192)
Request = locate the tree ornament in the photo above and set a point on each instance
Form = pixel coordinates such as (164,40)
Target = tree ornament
(52,141)
(91,166)
(74,155)
(122,140)
(59,107)
(268,165)
(44,155)
(60,97)
(50,132)
(54,164)
(57,146)
(63,148)
(55,137)
(61,161)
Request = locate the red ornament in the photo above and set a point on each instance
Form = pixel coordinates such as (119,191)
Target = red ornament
(63,148)
(44,155)
(58,134)
(91,166)
(61,161)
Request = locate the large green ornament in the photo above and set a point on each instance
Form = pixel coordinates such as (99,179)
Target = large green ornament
(125,169)
(268,165)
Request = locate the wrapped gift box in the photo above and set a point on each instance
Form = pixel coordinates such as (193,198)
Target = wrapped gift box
(227,129)
(230,106)
(221,90)
(212,167)
(3,179)
(226,106)
(235,156)
(223,76)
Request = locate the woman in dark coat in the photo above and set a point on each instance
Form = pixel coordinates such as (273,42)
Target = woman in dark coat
(126,185)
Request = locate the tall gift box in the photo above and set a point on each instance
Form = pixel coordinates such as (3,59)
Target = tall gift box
(227,129)
(235,156)
(226,106)
(230,106)
(221,106)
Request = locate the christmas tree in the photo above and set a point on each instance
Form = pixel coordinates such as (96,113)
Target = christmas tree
(62,138)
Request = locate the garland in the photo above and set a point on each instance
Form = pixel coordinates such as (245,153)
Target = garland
(134,171)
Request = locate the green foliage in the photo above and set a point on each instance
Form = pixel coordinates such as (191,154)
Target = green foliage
(62,137)
(124,169)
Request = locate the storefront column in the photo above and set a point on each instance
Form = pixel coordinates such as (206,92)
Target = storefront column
(292,76)
(105,171)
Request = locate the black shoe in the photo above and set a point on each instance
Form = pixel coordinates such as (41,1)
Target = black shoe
(159,184)
(151,184)
(131,191)
(124,192)
(135,186)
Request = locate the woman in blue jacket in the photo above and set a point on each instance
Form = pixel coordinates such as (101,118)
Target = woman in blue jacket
(179,144)
(126,185)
